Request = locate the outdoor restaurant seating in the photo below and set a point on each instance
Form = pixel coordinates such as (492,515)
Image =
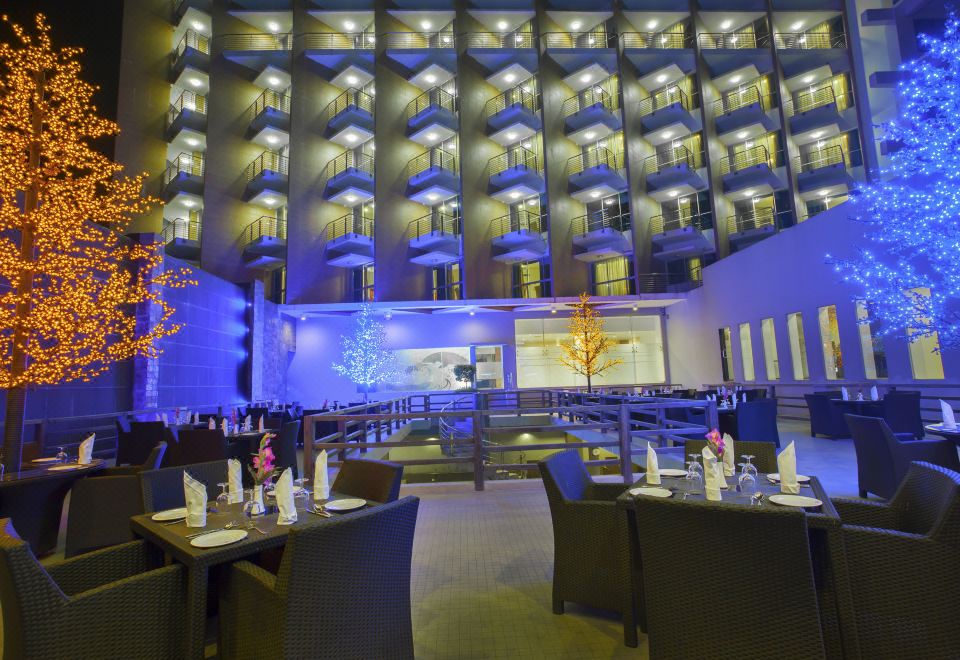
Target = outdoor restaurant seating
(901,410)
(883,458)
(764,453)
(163,489)
(378,481)
(36,506)
(342,591)
(112,603)
(902,560)
(757,421)
(199,446)
(134,447)
(285,447)
(825,418)
(591,554)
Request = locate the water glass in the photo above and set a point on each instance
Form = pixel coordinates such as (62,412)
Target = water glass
(694,465)
(694,478)
(748,484)
(61,455)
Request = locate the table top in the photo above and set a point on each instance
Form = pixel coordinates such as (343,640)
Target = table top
(938,429)
(857,402)
(32,470)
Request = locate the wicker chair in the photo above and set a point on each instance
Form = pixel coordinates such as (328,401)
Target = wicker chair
(717,551)
(376,481)
(883,458)
(111,603)
(36,506)
(357,606)
(591,545)
(901,410)
(134,447)
(904,573)
(757,421)
(285,447)
(163,489)
(764,453)
(825,418)
(200,446)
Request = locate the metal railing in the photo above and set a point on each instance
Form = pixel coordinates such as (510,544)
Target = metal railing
(257,42)
(517,221)
(756,219)
(348,160)
(269,99)
(819,158)
(665,40)
(812,99)
(434,223)
(190,101)
(182,228)
(434,97)
(523,39)
(268,161)
(511,97)
(184,163)
(663,98)
(513,157)
(756,155)
(353,97)
(192,39)
(433,158)
(810,40)
(660,224)
(593,95)
(338,40)
(732,40)
(669,282)
(741,99)
(265,225)
(671,157)
(598,220)
(594,157)
(416,40)
(596,38)
(348,224)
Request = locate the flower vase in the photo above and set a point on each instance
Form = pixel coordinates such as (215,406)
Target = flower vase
(257,508)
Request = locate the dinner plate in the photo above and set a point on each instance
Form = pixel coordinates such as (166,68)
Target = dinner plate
(672,472)
(52,459)
(170,514)
(794,500)
(218,538)
(650,492)
(345,505)
(68,466)
(775,478)
(941,427)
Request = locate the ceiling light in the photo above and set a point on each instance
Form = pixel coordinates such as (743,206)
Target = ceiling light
(532,201)
(595,194)
(747,193)
(426,25)
(189,203)
(433,197)
(510,77)
(666,135)
(816,134)
(511,136)
(195,82)
(673,193)
(430,78)
(742,134)
(350,137)
(269,201)
(514,195)
(726,24)
(808,79)
(352,80)
(349,25)
(652,24)
(273,26)
(553,310)
(273,80)
(431,136)
(351,198)
(303,318)
(446,40)
(589,135)
(472,312)
(608,202)
(575,25)
(585,78)
(735,79)
(662,78)
(502,25)
(796,26)
(388,316)
(197,25)
(272,139)
(192,142)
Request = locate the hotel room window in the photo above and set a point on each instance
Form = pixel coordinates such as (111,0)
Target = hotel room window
(830,341)
(726,354)
(924,349)
(746,352)
(874,355)
(771,360)
(798,347)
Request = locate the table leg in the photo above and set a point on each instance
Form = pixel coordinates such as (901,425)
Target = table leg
(197,579)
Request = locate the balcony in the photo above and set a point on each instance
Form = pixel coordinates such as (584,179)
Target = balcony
(270,120)
(434,239)
(667,115)
(345,59)
(673,173)
(267,180)
(656,40)
(598,236)
(192,52)
(184,176)
(506,57)
(432,177)
(591,115)
(681,235)
(596,173)
(585,57)
(432,117)
(822,173)
(750,172)
(259,52)
(264,243)
(734,56)
(814,114)
(518,237)
(348,179)
(745,229)
(348,242)
(350,120)
(659,57)
(513,116)
(424,59)
(181,238)
(802,52)
(187,121)
(743,115)
(514,175)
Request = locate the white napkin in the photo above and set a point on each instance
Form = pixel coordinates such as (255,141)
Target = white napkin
(728,455)
(260,427)
(247,423)
(195,495)
(734,398)
(653,469)
(236,429)
(224,427)
(744,399)
(283,491)
(949,422)
(787,464)
(844,394)
(874,395)
(235,481)
(712,475)
(211,423)
(163,418)
(321,480)
(85,453)
(196,418)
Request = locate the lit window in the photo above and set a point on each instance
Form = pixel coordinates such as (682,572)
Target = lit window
(798,348)
(830,340)
(770,359)
(746,352)
(726,354)
(924,349)
(874,356)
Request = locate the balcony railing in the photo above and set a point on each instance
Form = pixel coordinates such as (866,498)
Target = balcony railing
(185,163)
(599,220)
(416,40)
(348,160)
(591,96)
(348,224)
(664,98)
(515,157)
(339,41)
(810,41)
(352,97)
(265,225)
(756,219)
(432,97)
(434,223)
(594,157)
(756,155)
(811,99)
(732,40)
(517,221)
(501,102)
(269,99)
(433,158)
(661,224)
(666,282)
(181,228)
(190,101)
(666,40)
(500,40)
(257,42)
(672,157)
(268,161)
(740,99)
(817,159)
(597,38)
(192,39)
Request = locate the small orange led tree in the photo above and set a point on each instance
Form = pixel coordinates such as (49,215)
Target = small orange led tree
(586,349)
(70,282)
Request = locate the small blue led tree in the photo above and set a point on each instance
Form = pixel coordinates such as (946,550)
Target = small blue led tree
(911,275)
(366,360)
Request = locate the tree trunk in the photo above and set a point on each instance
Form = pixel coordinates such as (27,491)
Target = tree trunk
(13,428)
(589,387)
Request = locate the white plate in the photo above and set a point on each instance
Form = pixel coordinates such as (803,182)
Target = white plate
(650,491)
(170,514)
(941,427)
(775,478)
(345,505)
(68,466)
(672,472)
(794,500)
(216,539)
(52,459)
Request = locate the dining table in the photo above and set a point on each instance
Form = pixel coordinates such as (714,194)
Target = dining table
(263,533)
(952,434)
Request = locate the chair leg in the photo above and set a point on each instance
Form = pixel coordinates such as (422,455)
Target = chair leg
(630,630)
(863,493)
(557,604)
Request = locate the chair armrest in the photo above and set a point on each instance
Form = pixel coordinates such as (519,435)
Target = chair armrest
(606,492)
(248,598)
(866,514)
(938,452)
(100,567)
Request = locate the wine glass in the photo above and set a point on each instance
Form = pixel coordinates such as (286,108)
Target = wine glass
(61,455)
(694,478)
(300,488)
(748,483)
(749,467)
(694,465)
(223,499)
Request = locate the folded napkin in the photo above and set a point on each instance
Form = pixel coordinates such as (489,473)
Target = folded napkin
(744,399)
(235,481)
(949,422)
(844,394)
(260,427)
(653,470)
(283,491)
(196,418)
(195,495)
(211,423)
(321,480)
(734,400)
(85,453)
(224,427)
(247,423)
(874,395)
(163,418)
(728,456)
(712,475)
(787,464)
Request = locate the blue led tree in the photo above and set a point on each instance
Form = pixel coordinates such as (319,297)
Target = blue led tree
(366,360)
(910,275)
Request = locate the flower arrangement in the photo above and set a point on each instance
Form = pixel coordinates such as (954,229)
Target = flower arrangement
(263,467)
(715,440)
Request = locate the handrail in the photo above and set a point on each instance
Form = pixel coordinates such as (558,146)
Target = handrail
(516,156)
(596,221)
(676,156)
(269,99)
(594,157)
(352,97)
(268,161)
(184,163)
(433,158)
(809,40)
(437,222)
(815,160)
(589,97)
(811,99)
(661,224)
(187,100)
(664,40)
(756,155)
(348,160)
(338,40)
(663,98)
(448,430)
(417,40)
(755,219)
(348,224)
(596,38)
(433,97)
(257,42)
(265,225)
(741,98)
(662,282)
(192,39)
(511,97)
(517,221)
(732,40)
(500,39)
(182,228)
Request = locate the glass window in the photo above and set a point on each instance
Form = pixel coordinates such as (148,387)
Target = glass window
(446,282)
(924,350)
(770,359)
(830,339)
(874,356)
(798,348)
(363,284)
(531,279)
(613,277)
(746,352)
(726,354)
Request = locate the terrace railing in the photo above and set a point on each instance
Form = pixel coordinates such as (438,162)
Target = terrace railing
(257,42)
(434,223)
(268,161)
(665,40)
(671,157)
(338,41)
(741,99)
(585,224)
(814,98)
(348,160)
(809,40)
(181,228)
(418,40)
(435,97)
(192,39)
(500,40)
(184,163)
(594,157)
(664,98)
(517,221)
(513,157)
(187,100)
(514,96)
(756,155)
(269,99)
(660,224)
(348,224)
(596,38)
(352,97)
(732,40)
(432,158)
(817,159)
(669,282)
(265,225)
(589,97)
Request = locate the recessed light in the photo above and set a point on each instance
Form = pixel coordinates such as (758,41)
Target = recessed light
(352,80)
(303,318)
(652,24)
(510,77)
(511,136)
(666,135)
(736,79)
(742,134)
(662,78)
(585,78)
(589,135)
(189,203)
(433,197)
(197,25)
(273,26)
(269,201)
(273,80)
(502,25)
(426,25)
(726,24)
(575,25)
(816,134)
(472,312)
(195,82)
(514,195)
(531,202)
(351,198)
(431,136)
(595,194)
(808,79)
(430,78)
(272,139)
(192,142)
(350,137)
(747,193)
(796,26)
(349,25)
(673,193)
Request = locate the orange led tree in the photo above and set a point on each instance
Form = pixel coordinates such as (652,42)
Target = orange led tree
(70,283)
(586,349)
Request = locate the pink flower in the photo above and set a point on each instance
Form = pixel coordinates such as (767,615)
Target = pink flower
(256,461)
(268,454)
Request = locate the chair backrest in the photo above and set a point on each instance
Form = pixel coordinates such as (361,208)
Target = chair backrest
(378,481)
(928,501)
(873,442)
(674,533)
(764,453)
(901,410)
(163,489)
(134,447)
(100,511)
(757,421)
(285,447)
(565,477)
(155,459)
(201,446)
(358,606)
